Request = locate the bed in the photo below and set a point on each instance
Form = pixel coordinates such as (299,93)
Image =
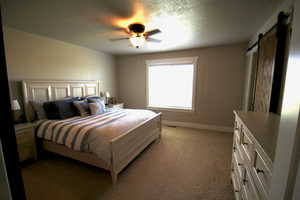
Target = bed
(122,145)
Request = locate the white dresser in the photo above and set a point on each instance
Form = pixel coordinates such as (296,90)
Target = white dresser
(254,145)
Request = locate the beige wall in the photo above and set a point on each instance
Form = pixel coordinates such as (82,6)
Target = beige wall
(31,56)
(219,83)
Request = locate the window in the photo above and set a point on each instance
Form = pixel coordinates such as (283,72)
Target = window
(171,83)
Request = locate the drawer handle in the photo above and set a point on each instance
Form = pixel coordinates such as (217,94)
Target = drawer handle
(240,164)
(260,171)
(236,191)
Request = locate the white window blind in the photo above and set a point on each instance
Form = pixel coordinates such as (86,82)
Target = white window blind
(171,85)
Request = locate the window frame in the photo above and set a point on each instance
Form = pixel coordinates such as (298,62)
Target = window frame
(173,61)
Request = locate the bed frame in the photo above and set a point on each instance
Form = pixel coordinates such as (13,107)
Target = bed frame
(124,148)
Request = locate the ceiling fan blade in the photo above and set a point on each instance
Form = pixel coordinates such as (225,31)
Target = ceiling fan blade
(118,29)
(125,30)
(152,32)
(115,29)
(153,40)
(117,39)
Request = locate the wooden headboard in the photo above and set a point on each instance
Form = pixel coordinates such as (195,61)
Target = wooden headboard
(47,90)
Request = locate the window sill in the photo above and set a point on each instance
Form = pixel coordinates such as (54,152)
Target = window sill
(171,109)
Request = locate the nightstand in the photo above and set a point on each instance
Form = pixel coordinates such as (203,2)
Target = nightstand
(26,141)
(117,105)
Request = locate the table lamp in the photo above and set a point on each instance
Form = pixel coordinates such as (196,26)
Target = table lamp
(15,106)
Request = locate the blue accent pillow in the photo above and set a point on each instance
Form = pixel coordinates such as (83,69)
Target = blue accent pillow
(92,99)
(61,109)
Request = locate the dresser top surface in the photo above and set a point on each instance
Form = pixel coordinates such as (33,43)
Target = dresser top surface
(264,127)
(22,126)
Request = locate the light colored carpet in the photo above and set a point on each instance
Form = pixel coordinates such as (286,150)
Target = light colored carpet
(185,164)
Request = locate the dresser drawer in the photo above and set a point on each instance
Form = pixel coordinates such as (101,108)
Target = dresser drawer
(237,140)
(239,165)
(236,146)
(25,139)
(239,150)
(262,175)
(235,182)
(247,146)
(236,190)
(25,136)
(243,195)
(249,187)
(237,137)
(237,129)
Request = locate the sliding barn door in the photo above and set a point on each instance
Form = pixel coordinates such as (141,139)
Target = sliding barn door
(271,67)
(265,71)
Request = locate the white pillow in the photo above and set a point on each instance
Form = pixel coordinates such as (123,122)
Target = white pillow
(97,108)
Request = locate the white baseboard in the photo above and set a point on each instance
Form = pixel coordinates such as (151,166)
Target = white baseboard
(198,126)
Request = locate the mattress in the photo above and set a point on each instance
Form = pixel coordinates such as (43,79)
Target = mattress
(92,133)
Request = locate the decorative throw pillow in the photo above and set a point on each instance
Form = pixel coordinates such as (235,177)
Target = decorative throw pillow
(98,100)
(82,107)
(39,110)
(96,108)
(61,109)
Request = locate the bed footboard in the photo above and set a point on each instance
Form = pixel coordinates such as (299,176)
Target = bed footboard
(128,145)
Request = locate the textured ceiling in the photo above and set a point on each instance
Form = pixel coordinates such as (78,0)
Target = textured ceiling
(184,23)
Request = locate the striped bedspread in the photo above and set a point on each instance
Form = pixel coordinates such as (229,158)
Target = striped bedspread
(92,133)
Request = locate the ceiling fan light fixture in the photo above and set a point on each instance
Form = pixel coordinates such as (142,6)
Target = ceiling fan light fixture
(138,36)
(137,41)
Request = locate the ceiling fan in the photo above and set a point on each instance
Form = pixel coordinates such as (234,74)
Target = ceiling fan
(138,35)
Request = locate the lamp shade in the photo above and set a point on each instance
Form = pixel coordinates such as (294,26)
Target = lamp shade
(107,94)
(15,105)
(137,41)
